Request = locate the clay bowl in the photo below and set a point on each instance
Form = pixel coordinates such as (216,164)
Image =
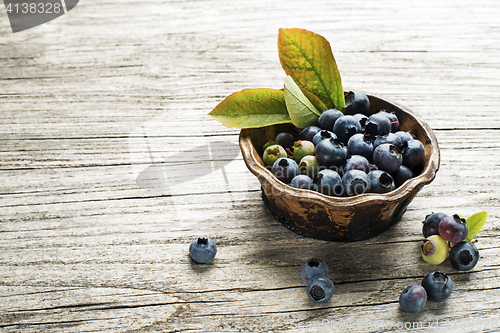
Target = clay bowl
(313,214)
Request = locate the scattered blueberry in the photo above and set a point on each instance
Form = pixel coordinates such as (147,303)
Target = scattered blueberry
(413,298)
(453,228)
(435,249)
(203,250)
(320,289)
(438,286)
(313,267)
(431,224)
(464,256)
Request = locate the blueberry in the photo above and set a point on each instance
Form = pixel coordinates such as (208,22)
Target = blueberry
(320,289)
(357,162)
(356,102)
(388,138)
(431,224)
(355,182)
(272,153)
(402,174)
(438,286)
(346,127)
(328,118)
(381,181)
(413,153)
(285,139)
(360,144)
(387,157)
(435,249)
(323,135)
(309,132)
(453,228)
(203,250)
(413,298)
(405,136)
(285,169)
(268,144)
(302,182)
(362,120)
(313,267)
(377,124)
(464,256)
(309,165)
(328,182)
(302,148)
(331,153)
(393,118)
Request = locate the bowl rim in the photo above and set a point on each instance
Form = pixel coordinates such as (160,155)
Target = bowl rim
(251,158)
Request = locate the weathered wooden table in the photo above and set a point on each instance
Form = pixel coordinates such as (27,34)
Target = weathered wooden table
(93,99)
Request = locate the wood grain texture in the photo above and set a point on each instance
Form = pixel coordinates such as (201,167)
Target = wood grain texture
(115,90)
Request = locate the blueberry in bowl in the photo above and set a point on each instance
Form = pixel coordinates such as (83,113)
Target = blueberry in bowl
(330,216)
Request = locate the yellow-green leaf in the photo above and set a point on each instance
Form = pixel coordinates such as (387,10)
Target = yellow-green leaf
(318,103)
(307,57)
(252,108)
(474,224)
(302,112)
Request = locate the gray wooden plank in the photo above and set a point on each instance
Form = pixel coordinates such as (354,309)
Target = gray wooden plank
(84,248)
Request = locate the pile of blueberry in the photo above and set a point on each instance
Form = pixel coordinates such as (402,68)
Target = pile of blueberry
(435,287)
(319,288)
(445,236)
(347,153)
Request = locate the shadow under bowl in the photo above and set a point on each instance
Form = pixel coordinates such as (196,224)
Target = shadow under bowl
(313,214)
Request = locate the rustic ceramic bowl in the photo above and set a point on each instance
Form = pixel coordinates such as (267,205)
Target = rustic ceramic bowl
(319,216)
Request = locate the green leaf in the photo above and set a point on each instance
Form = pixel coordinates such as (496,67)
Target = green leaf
(318,103)
(307,57)
(302,112)
(474,224)
(252,108)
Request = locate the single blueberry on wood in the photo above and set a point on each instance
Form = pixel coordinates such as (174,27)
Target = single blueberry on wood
(413,298)
(203,250)
(438,286)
